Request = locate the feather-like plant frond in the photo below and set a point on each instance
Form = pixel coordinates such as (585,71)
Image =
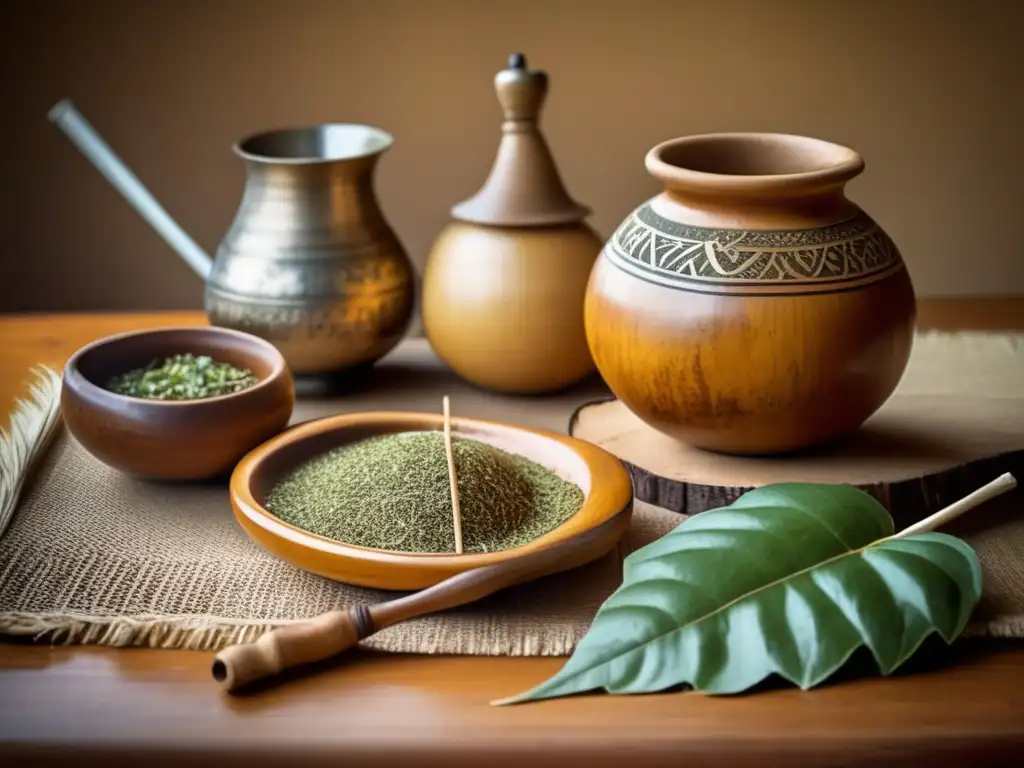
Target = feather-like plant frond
(33,422)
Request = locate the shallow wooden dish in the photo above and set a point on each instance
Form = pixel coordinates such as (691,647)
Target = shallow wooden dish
(606,485)
(175,440)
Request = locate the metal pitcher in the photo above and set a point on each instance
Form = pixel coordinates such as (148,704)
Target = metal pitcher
(309,262)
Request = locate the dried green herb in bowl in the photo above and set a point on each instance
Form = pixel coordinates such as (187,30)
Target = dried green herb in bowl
(182,377)
(392,492)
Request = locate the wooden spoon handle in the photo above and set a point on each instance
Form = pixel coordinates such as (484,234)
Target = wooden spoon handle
(291,646)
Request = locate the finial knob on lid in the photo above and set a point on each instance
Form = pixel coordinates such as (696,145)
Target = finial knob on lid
(524,187)
(521,91)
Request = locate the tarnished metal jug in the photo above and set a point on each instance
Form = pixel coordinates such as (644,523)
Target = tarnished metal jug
(310,263)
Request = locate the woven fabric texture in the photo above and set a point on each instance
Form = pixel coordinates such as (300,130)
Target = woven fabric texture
(92,556)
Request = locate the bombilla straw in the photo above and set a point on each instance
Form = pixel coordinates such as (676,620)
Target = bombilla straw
(83,135)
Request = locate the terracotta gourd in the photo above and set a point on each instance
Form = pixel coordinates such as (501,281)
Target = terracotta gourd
(751,308)
(504,283)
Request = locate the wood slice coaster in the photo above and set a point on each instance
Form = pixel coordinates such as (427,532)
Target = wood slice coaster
(955,422)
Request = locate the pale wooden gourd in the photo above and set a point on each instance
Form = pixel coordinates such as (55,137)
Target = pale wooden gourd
(504,283)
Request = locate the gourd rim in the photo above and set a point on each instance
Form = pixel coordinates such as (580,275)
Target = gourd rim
(745,162)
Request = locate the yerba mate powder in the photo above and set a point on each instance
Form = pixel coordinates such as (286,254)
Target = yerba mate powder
(392,492)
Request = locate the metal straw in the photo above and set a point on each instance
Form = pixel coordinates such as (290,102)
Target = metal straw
(83,136)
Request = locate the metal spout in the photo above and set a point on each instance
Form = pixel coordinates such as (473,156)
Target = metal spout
(83,136)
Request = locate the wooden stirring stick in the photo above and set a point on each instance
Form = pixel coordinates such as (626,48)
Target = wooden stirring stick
(456,513)
(337,631)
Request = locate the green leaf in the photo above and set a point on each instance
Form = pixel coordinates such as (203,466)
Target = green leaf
(789,580)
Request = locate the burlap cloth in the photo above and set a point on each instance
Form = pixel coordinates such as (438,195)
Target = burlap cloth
(92,556)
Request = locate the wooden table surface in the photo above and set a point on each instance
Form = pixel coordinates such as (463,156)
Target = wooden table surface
(66,704)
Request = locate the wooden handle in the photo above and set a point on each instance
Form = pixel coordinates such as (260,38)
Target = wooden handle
(292,646)
(334,632)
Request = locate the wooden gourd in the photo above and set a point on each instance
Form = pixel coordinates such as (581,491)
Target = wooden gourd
(504,283)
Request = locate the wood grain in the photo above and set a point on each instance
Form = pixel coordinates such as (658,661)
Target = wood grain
(162,707)
(917,454)
(503,307)
(698,367)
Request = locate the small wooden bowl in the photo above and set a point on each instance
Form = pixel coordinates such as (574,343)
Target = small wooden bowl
(604,480)
(175,439)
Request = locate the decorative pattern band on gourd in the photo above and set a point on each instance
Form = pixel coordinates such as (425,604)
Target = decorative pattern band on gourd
(822,259)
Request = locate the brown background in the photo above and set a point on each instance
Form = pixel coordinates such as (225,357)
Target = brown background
(930,92)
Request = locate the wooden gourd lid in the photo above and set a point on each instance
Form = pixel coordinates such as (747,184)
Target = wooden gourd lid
(524,188)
